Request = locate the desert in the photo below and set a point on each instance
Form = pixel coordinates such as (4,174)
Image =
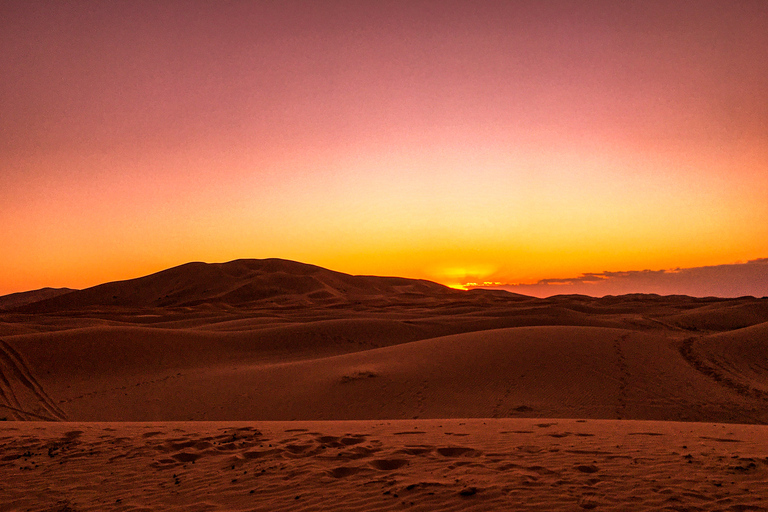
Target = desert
(305,255)
(277,385)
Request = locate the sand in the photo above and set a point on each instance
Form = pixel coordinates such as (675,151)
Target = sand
(492,464)
(298,383)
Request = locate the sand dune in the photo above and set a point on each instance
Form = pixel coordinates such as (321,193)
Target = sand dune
(237,282)
(720,317)
(140,374)
(576,400)
(738,359)
(381,348)
(16,300)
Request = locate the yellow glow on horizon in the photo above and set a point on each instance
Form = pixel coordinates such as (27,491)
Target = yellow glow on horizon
(439,211)
(465,271)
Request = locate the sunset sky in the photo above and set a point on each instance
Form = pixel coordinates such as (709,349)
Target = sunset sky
(505,142)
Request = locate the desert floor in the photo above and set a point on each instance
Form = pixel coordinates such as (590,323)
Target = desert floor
(492,464)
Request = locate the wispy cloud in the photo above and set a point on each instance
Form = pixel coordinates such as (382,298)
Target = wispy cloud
(734,280)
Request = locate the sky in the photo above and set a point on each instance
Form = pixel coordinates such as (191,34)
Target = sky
(462,142)
(732,280)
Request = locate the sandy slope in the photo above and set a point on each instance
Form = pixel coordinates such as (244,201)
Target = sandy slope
(343,369)
(738,359)
(236,283)
(501,464)
(17,300)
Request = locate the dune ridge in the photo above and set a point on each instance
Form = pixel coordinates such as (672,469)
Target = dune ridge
(237,282)
(17,300)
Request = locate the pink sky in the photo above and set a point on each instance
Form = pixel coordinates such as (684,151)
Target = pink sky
(453,141)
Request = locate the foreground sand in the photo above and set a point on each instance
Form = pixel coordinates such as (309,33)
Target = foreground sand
(475,464)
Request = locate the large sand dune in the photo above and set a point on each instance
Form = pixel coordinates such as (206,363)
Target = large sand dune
(238,282)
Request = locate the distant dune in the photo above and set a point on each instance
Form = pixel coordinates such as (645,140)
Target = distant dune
(20,299)
(237,283)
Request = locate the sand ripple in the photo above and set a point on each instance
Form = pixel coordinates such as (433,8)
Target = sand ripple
(500,464)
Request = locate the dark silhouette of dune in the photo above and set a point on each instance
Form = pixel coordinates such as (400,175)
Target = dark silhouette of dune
(238,282)
(15,300)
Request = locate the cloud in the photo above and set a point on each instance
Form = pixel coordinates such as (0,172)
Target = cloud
(734,280)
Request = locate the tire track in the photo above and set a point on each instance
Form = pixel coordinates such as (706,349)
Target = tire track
(698,363)
(25,413)
(31,381)
(621,402)
(6,393)
(500,403)
(17,372)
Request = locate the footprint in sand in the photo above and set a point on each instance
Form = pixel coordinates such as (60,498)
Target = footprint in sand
(744,508)
(388,464)
(721,439)
(328,441)
(299,449)
(192,443)
(588,503)
(352,440)
(541,470)
(258,454)
(458,451)
(416,450)
(344,471)
(186,456)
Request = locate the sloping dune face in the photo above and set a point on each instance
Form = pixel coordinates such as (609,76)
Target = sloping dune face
(237,282)
(17,300)
(278,340)
(737,359)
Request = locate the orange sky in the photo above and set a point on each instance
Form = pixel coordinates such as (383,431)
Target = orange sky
(453,141)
